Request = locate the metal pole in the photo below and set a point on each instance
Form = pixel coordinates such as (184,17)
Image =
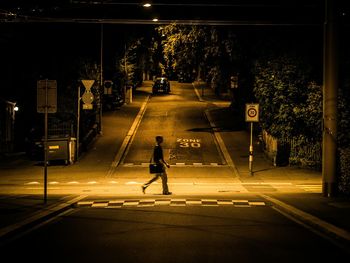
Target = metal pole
(45,142)
(78,123)
(126,74)
(251,150)
(101,81)
(330,85)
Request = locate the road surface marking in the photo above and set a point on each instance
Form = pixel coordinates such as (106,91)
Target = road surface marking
(73,182)
(30,183)
(129,138)
(36,217)
(170,202)
(309,219)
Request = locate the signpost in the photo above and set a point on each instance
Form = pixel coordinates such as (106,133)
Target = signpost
(87,99)
(46,103)
(251,115)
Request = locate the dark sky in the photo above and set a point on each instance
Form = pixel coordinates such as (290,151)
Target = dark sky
(44,38)
(287,11)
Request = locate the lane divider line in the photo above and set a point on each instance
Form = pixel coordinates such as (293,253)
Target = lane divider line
(197,93)
(123,150)
(221,145)
(224,154)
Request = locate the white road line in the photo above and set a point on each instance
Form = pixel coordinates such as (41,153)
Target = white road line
(123,150)
(257,203)
(45,212)
(197,93)
(30,183)
(113,182)
(309,219)
(132,182)
(99,205)
(73,182)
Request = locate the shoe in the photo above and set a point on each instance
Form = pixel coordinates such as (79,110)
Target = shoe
(167,193)
(143,189)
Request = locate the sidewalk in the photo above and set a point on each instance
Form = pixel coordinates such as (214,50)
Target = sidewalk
(328,215)
(20,211)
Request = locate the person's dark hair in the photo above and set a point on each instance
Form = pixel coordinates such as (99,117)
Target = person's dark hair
(159,138)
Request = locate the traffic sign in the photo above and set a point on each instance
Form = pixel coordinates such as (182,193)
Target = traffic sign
(88,83)
(87,106)
(252,112)
(108,87)
(46,96)
(87,97)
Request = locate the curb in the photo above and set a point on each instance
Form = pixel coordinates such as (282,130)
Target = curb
(218,139)
(45,214)
(312,221)
(129,137)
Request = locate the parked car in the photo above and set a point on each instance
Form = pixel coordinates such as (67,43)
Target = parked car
(112,101)
(161,84)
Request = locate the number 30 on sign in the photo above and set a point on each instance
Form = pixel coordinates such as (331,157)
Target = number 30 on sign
(252,112)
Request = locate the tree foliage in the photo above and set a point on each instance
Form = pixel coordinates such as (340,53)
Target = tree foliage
(183,47)
(132,63)
(290,103)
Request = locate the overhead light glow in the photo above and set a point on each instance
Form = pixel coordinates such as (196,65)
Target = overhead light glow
(155,19)
(147,5)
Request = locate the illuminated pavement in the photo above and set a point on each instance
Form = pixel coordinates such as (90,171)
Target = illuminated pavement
(217,209)
(198,165)
(175,230)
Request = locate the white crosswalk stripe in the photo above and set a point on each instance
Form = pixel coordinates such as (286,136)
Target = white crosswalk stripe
(170,202)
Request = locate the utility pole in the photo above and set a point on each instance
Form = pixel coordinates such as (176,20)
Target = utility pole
(101,83)
(330,86)
(78,123)
(126,74)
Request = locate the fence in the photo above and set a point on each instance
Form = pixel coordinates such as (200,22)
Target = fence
(296,151)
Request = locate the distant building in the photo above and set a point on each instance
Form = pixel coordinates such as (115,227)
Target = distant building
(7,123)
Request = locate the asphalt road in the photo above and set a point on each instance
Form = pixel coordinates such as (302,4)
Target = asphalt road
(179,117)
(211,216)
(157,231)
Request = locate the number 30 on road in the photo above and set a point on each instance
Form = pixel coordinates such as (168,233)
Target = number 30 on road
(187,143)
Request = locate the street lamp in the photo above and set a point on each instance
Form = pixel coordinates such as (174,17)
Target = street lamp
(155,20)
(146,5)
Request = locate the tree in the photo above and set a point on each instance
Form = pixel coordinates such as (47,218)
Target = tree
(183,47)
(281,87)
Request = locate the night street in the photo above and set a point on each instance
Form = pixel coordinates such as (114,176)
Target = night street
(174,131)
(180,118)
(212,216)
(156,232)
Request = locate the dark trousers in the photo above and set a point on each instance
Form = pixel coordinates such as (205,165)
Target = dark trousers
(164,177)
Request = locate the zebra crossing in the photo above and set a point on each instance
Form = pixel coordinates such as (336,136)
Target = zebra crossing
(175,164)
(170,202)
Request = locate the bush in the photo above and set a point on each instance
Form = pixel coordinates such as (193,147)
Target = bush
(344,179)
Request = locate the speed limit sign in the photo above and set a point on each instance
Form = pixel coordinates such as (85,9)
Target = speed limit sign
(252,112)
